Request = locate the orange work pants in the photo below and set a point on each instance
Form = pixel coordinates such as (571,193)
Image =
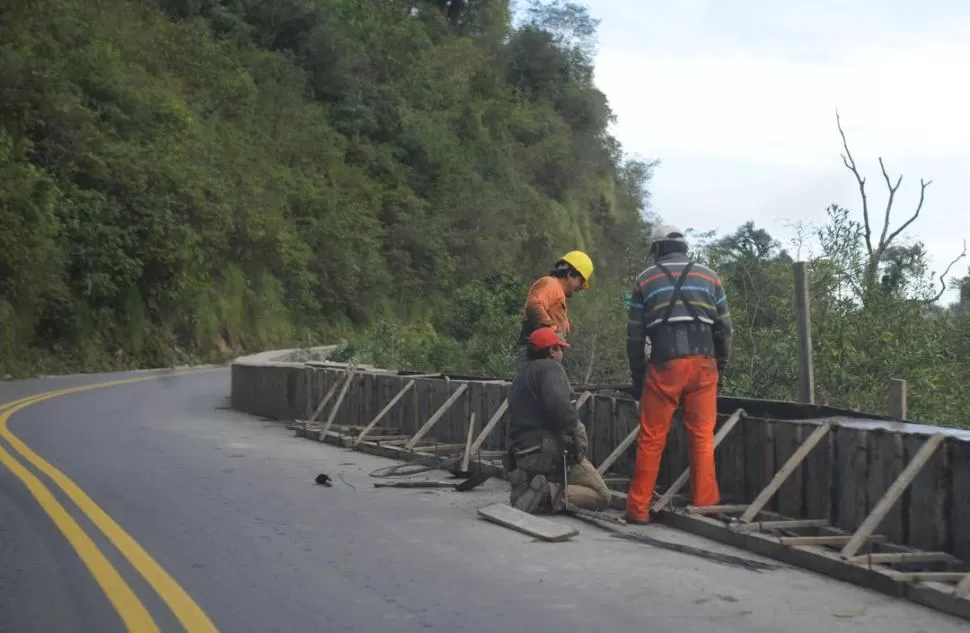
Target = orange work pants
(695,379)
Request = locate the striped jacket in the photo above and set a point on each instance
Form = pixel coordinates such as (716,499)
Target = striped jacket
(697,324)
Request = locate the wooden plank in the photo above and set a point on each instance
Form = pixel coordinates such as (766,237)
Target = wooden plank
(340,399)
(600,427)
(892,495)
(758,455)
(672,491)
(539,527)
(492,423)
(789,436)
(825,540)
(414,483)
(582,400)
(438,448)
(324,401)
(729,464)
(619,450)
(901,558)
(818,479)
(466,458)
(762,499)
(960,495)
(886,461)
(794,524)
(385,410)
(926,502)
(716,509)
(851,477)
(926,576)
(437,415)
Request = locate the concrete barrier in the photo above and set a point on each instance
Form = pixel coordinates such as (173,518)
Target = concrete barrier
(842,479)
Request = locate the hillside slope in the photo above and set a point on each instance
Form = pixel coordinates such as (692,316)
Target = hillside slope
(185,177)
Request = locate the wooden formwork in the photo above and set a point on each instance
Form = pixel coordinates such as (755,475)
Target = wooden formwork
(934,578)
(779,480)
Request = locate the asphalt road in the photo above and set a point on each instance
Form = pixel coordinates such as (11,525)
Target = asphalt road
(225,504)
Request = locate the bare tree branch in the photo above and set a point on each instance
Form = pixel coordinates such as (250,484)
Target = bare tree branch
(946,272)
(889,203)
(850,163)
(923,184)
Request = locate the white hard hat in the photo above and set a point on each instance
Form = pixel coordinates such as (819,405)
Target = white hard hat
(668,233)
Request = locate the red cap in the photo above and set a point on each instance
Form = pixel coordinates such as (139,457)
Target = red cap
(546,337)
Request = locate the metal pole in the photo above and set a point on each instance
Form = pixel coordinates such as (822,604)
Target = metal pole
(804,321)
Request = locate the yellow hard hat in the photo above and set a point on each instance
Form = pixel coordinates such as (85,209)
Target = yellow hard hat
(581,263)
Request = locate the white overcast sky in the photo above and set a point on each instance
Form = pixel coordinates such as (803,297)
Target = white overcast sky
(737,100)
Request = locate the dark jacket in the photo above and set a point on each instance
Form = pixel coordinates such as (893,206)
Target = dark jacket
(698,324)
(540,400)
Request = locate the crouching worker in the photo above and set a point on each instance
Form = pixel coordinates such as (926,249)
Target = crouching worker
(543,422)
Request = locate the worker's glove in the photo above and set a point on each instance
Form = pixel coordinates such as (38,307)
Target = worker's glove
(721,370)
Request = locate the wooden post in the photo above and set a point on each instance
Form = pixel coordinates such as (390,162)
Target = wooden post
(466,458)
(492,423)
(804,323)
(897,399)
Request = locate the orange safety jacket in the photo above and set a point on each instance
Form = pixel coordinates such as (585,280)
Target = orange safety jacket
(545,306)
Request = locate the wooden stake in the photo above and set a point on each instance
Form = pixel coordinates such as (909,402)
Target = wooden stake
(581,400)
(466,458)
(387,408)
(671,492)
(492,423)
(436,416)
(897,399)
(336,405)
(793,462)
(892,495)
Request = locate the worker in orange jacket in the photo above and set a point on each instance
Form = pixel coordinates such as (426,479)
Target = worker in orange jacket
(545,304)
(681,306)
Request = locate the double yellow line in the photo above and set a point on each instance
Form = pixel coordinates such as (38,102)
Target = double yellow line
(122,597)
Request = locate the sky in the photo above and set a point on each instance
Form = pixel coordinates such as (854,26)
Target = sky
(737,100)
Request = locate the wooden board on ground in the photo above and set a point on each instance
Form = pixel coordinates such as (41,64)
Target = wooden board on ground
(537,526)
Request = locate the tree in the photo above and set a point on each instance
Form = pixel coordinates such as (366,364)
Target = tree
(884,249)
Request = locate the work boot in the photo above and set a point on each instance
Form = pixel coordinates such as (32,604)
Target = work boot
(537,492)
(518,484)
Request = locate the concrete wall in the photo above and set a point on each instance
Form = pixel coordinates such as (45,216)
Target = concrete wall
(841,479)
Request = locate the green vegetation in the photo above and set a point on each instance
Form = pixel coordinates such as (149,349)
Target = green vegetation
(195,179)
